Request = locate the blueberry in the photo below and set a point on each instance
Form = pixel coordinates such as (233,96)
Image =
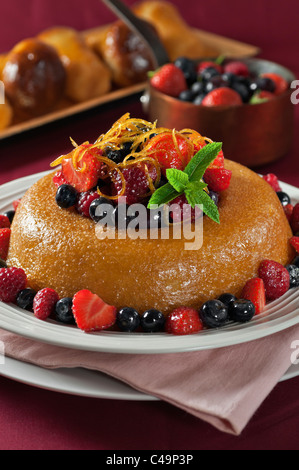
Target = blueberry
(265,84)
(186,95)
(208,73)
(241,310)
(152,321)
(284,198)
(243,91)
(66,196)
(115,155)
(227,298)
(101,208)
(197,87)
(188,68)
(123,215)
(198,99)
(214,82)
(213,313)
(128,319)
(10,215)
(63,311)
(25,299)
(214,196)
(294,275)
(154,218)
(2,264)
(228,78)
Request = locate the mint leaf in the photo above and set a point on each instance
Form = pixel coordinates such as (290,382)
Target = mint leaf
(177,178)
(208,205)
(193,193)
(202,159)
(163,195)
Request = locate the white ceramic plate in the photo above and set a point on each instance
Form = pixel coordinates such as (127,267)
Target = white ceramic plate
(278,315)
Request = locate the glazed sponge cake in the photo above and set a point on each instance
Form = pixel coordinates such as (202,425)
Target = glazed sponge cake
(59,249)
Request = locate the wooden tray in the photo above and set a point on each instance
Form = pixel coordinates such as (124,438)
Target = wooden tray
(223,46)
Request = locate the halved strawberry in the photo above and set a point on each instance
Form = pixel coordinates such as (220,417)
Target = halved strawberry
(254,290)
(4,242)
(87,174)
(91,312)
(217,179)
(171,150)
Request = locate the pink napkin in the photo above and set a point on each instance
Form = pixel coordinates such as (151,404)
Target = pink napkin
(222,386)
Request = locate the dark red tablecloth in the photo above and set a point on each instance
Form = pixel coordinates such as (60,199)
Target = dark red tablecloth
(31,418)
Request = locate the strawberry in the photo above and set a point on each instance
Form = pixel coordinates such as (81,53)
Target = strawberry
(281,85)
(295,218)
(59,179)
(272,179)
(170,80)
(254,290)
(217,179)
(183,321)
(12,281)
(294,241)
(44,303)
(288,210)
(4,221)
(4,242)
(91,312)
(89,167)
(276,278)
(237,67)
(222,96)
(170,150)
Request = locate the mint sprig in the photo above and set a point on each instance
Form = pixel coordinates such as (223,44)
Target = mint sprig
(190,183)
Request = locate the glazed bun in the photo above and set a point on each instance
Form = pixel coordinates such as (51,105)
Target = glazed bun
(87,76)
(33,77)
(126,54)
(178,37)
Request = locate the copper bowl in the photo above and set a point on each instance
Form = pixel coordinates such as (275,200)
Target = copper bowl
(252,135)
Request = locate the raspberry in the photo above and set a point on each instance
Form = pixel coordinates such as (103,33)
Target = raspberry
(136,184)
(276,278)
(237,68)
(288,210)
(84,201)
(12,281)
(217,179)
(183,321)
(44,303)
(273,181)
(181,211)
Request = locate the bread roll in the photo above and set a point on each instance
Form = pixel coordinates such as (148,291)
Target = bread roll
(33,77)
(87,76)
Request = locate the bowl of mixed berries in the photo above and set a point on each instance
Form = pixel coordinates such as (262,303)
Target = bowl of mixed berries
(246,104)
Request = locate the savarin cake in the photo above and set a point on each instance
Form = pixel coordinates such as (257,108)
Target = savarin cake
(129,281)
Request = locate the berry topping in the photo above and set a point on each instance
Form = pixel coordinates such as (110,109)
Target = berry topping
(169,79)
(182,211)
(44,303)
(84,201)
(25,299)
(241,310)
(4,221)
(86,175)
(294,241)
(128,319)
(254,290)
(91,312)
(213,313)
(171,150)
(183,321)
(136,184)
(64,312)
(101,208)
(217,179)
(59,179)
(272,179)
(12,281)
(222,96)
(276,278)
(288,210)
(152,321)
(284,198)
(4,242)
(66,196)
